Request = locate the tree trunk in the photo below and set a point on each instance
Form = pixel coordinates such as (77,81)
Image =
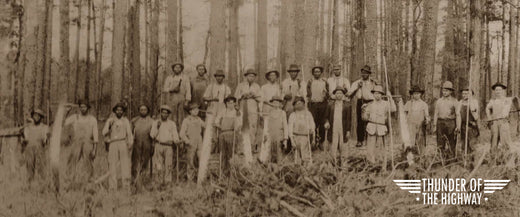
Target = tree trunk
(347,40)
(358,35)
(64,78)
(513,48)
(218,35)
(118,52)
(475,43)
(261,40)
(134,55)
(41,45)
(309,38)
(154,53)
(371,31)
(428,43)
(99,57)
(86,94)
(287,35)
(77,65)
(171,40)
(46,83)
(503,46)
(233,39)
(299,31)
(181,42)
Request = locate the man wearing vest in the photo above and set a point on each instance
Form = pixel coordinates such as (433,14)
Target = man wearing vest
(292,87)
(362,89)
(317,94)
(177,92)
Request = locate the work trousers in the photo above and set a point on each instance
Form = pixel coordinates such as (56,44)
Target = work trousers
(118,158)
(163,162)
(302,149)
(176,102)
(226,140)
(446,137)
(80,164)
(500,133)
(193,152)
(417,136)
(361,124)
(377,150)
(276,151)
(35,162)
(318,111)
(141,155)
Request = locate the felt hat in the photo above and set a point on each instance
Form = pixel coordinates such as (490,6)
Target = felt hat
(83,102)
(366,69)
(336,67)
(339,89)
(276,98)
(298,99)
(467,89)
(272,71)
(379,89)
(38,111)
(293,68)
(230,98)
(447,85)
(119,104)
(191,106)
(250,71)
(165,107)
(219,72)
(498,84)
(180,64)
(317,67)
(147,108)
(416,89)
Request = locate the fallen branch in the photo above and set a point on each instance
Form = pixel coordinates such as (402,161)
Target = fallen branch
(323,195)
(372,187)
(291,209)
(299,199)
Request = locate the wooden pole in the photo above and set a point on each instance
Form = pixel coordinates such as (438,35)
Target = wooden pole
(389,115)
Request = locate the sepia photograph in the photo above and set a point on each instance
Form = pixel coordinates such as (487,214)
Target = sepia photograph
(305,108)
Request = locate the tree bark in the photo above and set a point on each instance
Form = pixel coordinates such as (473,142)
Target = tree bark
(218,35)
(371,31)
(428,43)
(64,78)
(118,44)
(77,65)
(47,69)
(233,45)
(261,40)
(309,38)
(475,43)
(358,35)
(134,55)
(172,54)
(287,35)
(99,57)
(86,94)
(154,54)
(513,48)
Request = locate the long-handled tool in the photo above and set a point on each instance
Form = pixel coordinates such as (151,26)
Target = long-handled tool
(177,163)
(389,115)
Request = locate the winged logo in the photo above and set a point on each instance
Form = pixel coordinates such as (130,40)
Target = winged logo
(491,185)
(412,186)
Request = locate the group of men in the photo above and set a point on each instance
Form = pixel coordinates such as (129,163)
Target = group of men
(293,113)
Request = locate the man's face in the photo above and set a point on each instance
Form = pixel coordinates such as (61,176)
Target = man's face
(177,69)
(337,71)
(365,75)
(219,79)
(276,104)
(119,112)
(37,118)
(316,72)
(465,94)
(83,109)
(201,70)
(293,74)
(339,95)
(230,104)
(299,105)
(416,95)
(250,78)
(143,111)
(271,77)
(377,95)
(164,114)
(446,92)
(499,92)
(194,111)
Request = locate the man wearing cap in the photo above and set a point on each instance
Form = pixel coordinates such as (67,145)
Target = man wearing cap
(338,119)
(191,135)
(317,94)
(143,148)
(199,85)
(248,94)
(292,87)
(34,141)
(84,143)
(277,129)
(177,92)
(119,138)
(418,118)
(270,89)
(362,89)
(497,112)
(216,92)
(376,114)
(301,129)
(229,123)
(471,119)
(446,121)
(165,136)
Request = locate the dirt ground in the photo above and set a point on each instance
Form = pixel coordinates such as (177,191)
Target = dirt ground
(354,188)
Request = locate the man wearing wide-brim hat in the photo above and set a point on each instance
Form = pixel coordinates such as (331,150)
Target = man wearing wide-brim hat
(469,104)
(376,114)
(277,131)
(446,121)
(191,134)
(143,149)
(216,92)
(318,94)
(418,117)
(165,136)
(270,89)
(198,87)
(84,143)
(338,121)
(497,112)
(119,141)
(177,92)
(336,80)
(35,138)
(228,123)
(292,87)
(362,90)
(248,94)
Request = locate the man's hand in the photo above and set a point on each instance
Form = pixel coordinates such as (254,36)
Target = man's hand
(186,102)
(93,152)
(457,130)
(284,144)
(326,125)
(434,128)
(360,84)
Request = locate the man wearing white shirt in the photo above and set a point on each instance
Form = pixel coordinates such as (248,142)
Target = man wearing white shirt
(292,87)
(272,88)
(336,81)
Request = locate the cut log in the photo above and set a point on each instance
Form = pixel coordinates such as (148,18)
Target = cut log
(206,149)
(266,142)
